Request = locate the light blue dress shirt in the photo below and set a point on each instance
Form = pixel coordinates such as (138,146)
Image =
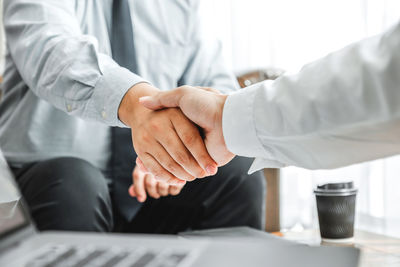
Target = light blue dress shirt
(62,89)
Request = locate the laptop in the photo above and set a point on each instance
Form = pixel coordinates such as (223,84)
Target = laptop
(21,245)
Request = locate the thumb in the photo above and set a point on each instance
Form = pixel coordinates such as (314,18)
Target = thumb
(209,89)
(161,100)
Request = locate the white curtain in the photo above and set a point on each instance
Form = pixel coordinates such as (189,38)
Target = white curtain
(287,34)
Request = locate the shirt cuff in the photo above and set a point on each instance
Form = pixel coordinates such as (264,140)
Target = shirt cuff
(260,163)
(110,90)
(238,125)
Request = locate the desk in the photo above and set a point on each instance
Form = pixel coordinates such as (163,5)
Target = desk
(376,250)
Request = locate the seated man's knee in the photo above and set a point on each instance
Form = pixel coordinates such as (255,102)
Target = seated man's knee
(67,194)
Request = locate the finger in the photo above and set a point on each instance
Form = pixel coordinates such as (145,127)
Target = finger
(158,171)
(172,144)
(151,186)
(138,186)
(131,191)
(175,189)
(162,188)
(178,160)
(163,99)
(192,140)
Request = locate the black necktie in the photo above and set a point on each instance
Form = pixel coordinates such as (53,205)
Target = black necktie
(122,154)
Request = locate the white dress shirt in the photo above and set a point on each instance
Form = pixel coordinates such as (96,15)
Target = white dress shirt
(339,110)
(62,89)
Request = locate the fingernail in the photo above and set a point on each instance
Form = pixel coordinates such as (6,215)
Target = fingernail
(144,98)
(211,169)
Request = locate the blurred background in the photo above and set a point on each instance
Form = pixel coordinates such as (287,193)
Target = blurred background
(286,34)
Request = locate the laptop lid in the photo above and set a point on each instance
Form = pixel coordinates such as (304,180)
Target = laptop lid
(13,216)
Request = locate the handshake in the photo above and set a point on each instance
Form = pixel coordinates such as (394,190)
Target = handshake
(177,136)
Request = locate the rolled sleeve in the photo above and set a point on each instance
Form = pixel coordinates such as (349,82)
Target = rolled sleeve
(260,163)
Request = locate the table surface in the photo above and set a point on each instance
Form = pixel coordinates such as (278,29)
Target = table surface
(376,250)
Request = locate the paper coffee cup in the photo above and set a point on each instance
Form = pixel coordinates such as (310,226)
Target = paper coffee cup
(336,204)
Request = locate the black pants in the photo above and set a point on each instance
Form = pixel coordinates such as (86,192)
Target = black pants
(71,194)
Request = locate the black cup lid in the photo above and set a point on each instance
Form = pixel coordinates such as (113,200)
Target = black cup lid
(336,189)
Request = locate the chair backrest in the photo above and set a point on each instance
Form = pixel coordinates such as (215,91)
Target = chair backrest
(260,75)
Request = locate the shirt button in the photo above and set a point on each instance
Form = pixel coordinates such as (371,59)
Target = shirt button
(104,114)
(69,108)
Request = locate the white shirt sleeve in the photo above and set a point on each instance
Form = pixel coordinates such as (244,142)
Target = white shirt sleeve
(339,110)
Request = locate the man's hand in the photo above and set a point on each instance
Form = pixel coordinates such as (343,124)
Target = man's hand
(203,107)
(145,184)
(169,144)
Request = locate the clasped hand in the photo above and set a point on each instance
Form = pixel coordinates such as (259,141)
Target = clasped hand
(168,142)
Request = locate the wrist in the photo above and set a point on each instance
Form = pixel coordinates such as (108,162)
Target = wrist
(130,109)
(220,111)
(222,101)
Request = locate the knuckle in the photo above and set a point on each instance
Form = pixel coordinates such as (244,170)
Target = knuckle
(156,172)
(149,183)
(171,166)
(162,186)
(188,138)
(169,141)
(182,157)
(154,126)
(162,176)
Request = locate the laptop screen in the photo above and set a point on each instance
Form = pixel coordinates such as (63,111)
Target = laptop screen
(12,215)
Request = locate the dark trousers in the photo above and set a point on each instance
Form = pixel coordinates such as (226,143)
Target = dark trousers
(71,194)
